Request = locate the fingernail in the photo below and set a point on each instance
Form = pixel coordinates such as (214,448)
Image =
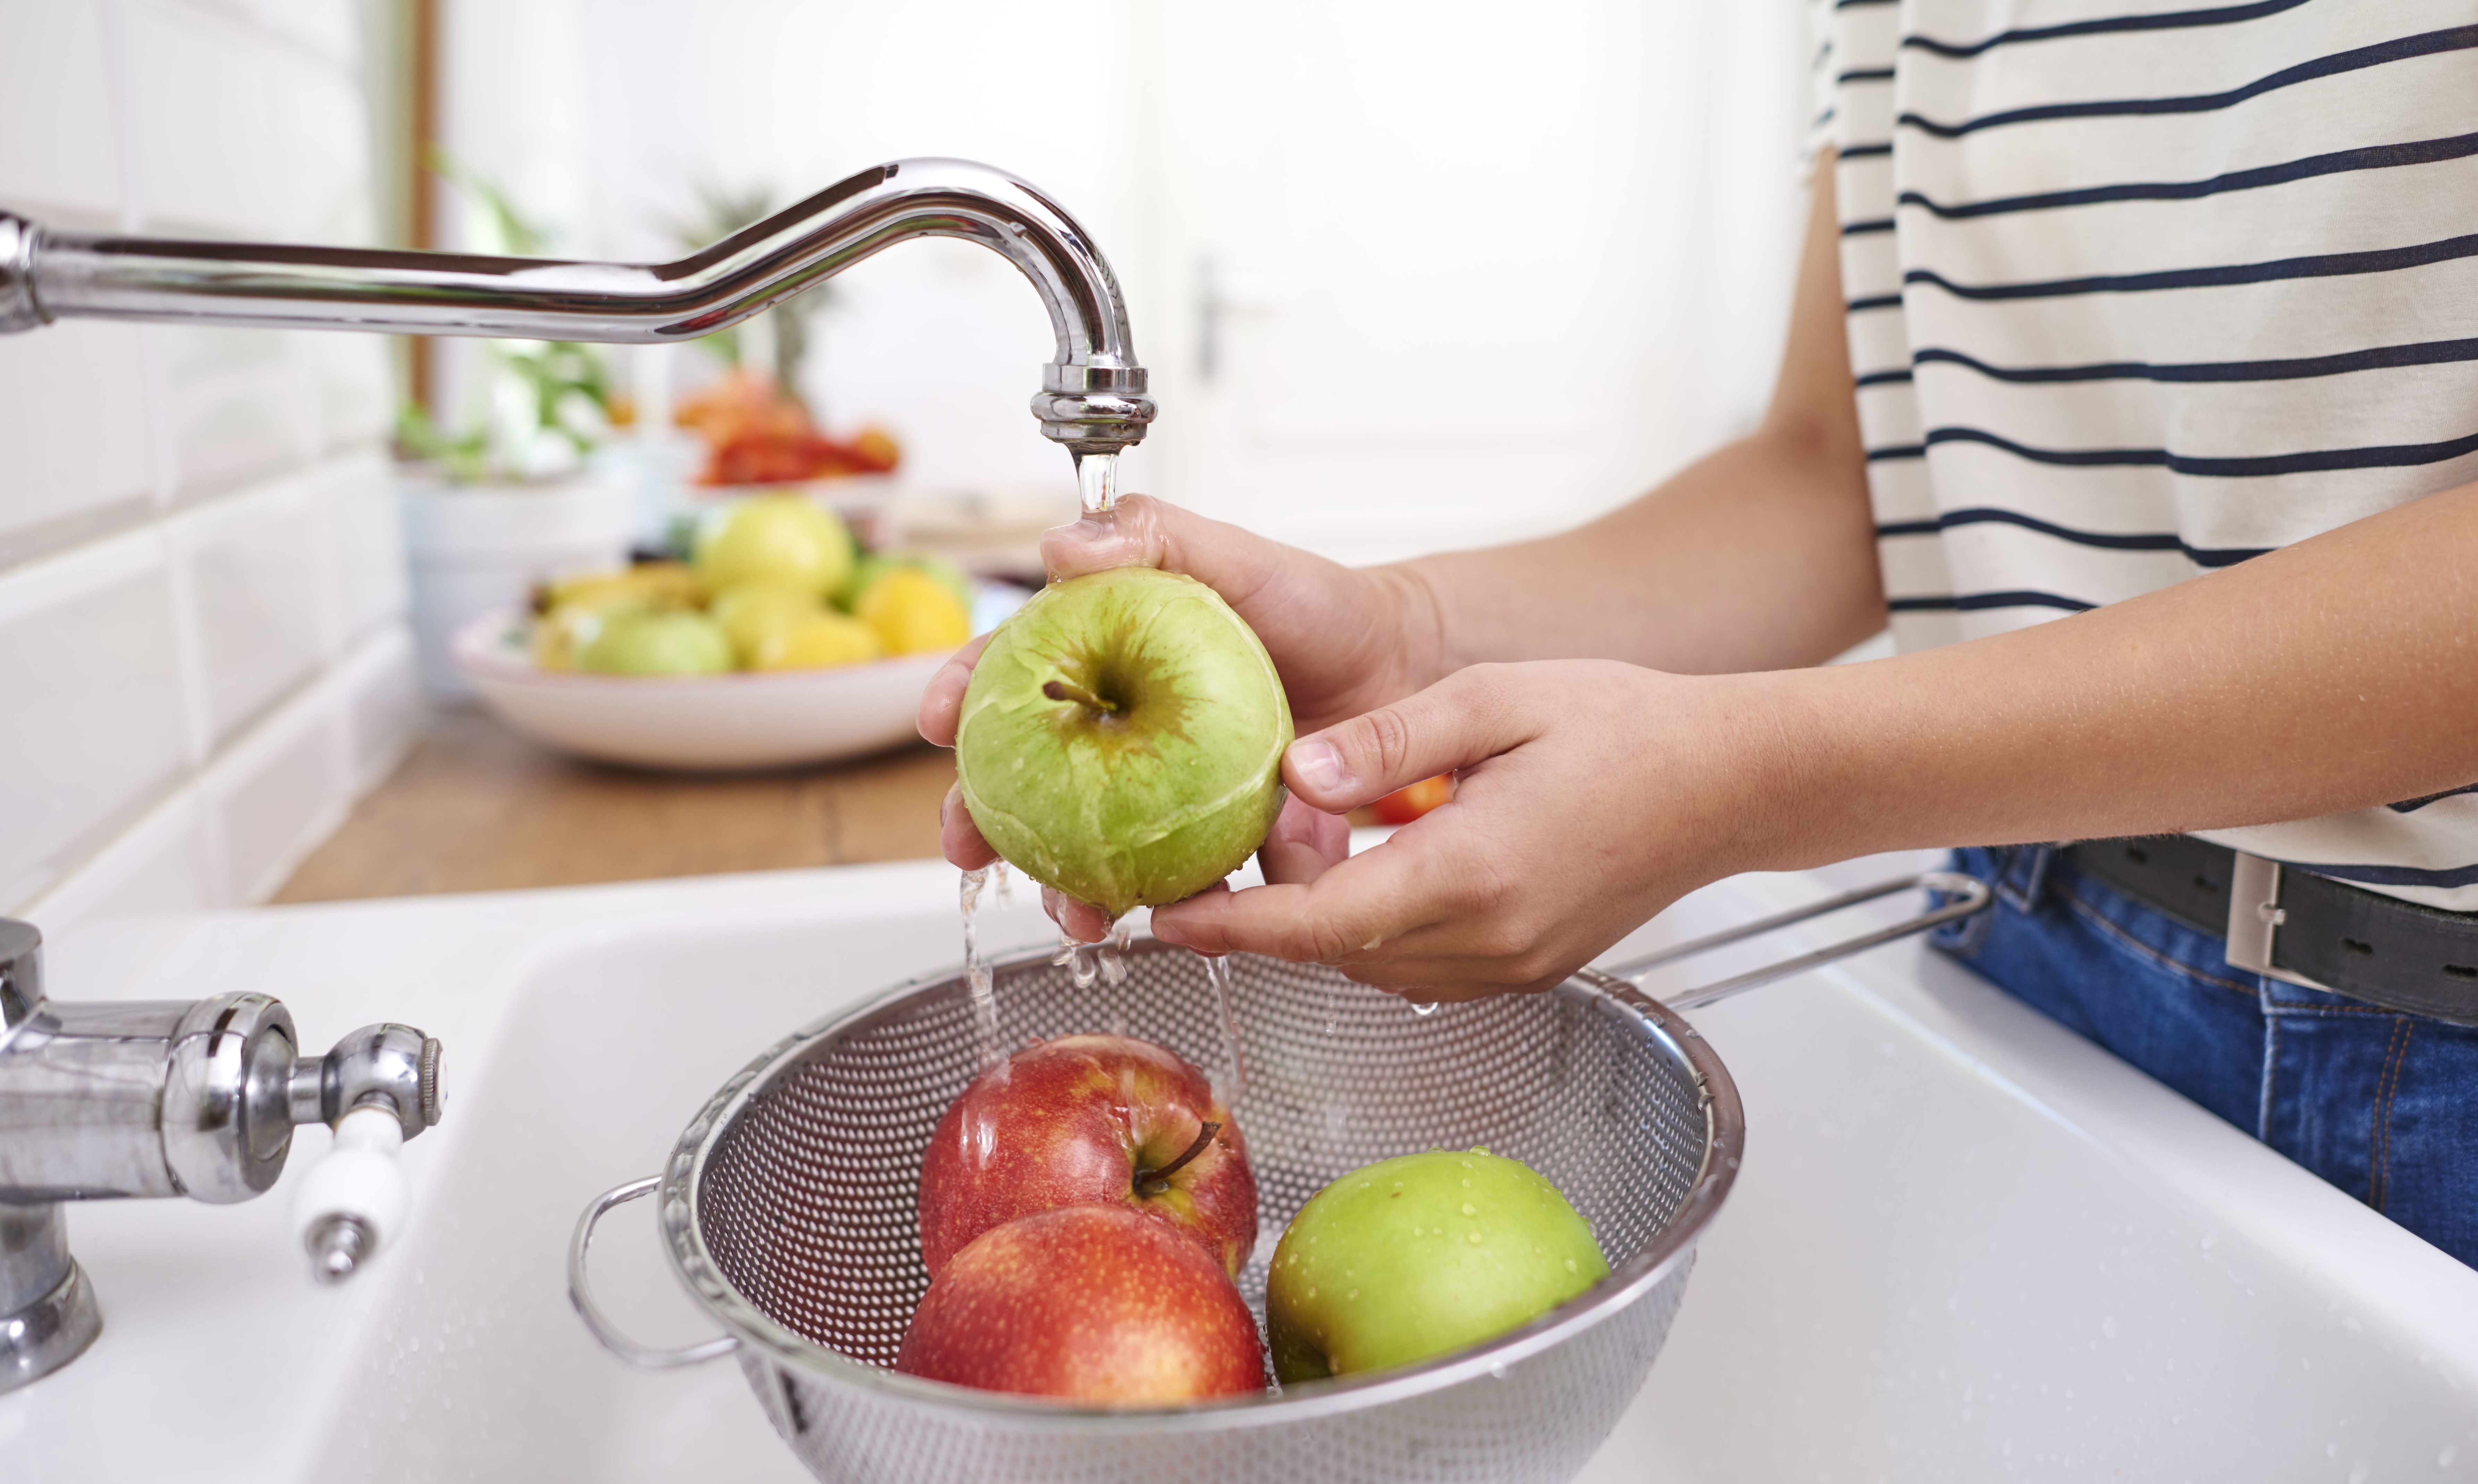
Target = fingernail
(1169,932)
(1317,763)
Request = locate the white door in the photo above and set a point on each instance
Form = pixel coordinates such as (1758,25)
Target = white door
(1437,274)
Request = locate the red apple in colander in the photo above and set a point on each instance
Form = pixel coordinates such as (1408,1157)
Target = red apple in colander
(1097,1304)
(1089,1121)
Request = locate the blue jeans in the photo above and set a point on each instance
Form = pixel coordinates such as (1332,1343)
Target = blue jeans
(2381,1104)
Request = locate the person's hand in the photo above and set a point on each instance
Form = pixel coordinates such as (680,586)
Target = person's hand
(1344,639)
(1591,794)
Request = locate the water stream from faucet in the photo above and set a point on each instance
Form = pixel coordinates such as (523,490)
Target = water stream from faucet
(1097,481)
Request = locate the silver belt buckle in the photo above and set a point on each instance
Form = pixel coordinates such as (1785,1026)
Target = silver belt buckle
(2254,914)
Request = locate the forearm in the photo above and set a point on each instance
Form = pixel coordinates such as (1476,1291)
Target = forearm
(2337,674)
(1759,555)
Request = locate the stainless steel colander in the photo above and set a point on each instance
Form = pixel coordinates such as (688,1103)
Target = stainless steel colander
(788,1205)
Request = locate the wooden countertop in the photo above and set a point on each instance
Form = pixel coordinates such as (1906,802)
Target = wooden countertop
(475,808)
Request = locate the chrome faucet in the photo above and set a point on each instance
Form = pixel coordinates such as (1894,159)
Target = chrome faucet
(196,1099)
(1092,396)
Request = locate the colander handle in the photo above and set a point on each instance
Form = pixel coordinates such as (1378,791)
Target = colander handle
(579,1294)
(1968,894)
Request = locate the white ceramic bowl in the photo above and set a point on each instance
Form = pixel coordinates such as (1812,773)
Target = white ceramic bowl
(693,722)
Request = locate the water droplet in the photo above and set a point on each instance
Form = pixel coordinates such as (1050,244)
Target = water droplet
(1415,1229)
(1469,1209)
(1353,1294)
(1311,1293)
(1497,1372)
(1418,1007)
(1475,1239)
(1570,1265)
(2444,1459)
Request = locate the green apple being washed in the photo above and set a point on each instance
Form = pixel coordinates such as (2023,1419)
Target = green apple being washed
(1122,739)
(1412,1258)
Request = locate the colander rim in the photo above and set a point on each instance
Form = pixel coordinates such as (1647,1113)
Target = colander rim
(1672,1247)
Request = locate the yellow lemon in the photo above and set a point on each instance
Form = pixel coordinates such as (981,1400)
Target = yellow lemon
(913,612)
(817,640)
(752,611)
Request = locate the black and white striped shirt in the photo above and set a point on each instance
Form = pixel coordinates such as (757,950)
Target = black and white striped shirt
(2139,289)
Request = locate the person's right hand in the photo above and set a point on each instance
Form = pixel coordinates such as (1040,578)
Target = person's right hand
(1345,640)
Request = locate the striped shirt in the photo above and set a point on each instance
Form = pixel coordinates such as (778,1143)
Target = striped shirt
(2138,289)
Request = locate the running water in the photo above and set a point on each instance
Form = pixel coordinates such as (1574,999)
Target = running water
(976,974)
(1005,881)
(1234,1080)
(1112,956)
(1077,958)
(1097,481)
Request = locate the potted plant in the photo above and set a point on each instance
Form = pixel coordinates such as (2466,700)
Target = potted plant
(517,495)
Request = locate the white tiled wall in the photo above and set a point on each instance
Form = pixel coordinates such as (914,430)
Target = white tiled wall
(202,646)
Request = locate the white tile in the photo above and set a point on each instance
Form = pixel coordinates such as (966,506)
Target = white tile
(353,384)
(109,919)
(277,792)
(238,406)
(55,128)
(77,443)
(331,27)
(366,558)
(322,164)
(96,728)
(201,121)
(384,712)
(252,567)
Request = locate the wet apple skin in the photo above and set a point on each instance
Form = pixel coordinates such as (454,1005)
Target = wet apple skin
(1157,797)
(1380,1267)
(1097,1304)
(1071,1121)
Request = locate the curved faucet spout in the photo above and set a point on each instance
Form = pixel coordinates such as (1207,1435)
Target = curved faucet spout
(1092,394)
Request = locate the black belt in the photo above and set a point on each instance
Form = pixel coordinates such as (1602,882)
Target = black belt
(2300,927)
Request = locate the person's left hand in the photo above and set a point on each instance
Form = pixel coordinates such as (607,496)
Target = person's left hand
(1591,794)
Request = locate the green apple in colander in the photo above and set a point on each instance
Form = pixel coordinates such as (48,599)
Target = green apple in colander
(1122,739)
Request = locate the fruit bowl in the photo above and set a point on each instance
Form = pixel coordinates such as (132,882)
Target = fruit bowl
(700,723)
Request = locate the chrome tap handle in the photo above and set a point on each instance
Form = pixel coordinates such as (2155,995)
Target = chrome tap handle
(1092,396)
(394,1066)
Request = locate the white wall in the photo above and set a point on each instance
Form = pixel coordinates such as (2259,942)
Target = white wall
(201,645)
(1392,169)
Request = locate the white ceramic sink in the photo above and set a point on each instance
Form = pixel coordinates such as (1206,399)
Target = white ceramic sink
(1965,1245)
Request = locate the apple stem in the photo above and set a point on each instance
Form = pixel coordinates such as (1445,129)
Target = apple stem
(1061,691)
(1152,1182)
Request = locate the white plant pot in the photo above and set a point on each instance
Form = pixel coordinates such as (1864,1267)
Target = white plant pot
(473,549)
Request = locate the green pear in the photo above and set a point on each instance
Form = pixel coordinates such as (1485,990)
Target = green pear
(1409,1259)
(1122,739)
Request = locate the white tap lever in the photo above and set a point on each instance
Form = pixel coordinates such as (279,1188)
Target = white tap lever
(377,1089)
(353,1201)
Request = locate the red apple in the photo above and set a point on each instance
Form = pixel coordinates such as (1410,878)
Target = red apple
(1097,1304)
(1089,1121)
